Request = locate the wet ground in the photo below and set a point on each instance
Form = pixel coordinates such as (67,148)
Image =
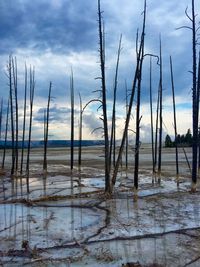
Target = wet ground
(67,220)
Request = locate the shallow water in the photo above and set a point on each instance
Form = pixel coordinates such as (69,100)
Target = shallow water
(66,220)
(97,231)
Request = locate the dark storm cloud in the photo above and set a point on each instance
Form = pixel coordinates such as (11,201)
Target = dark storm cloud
(55,35)
(59,25)
(56,114)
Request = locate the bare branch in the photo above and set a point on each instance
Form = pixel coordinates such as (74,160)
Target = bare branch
(152,55)
(130,130)
(96,129)
(91,101)
(197,30)
(186,13)
(99,107)
(184,27)
(96,91)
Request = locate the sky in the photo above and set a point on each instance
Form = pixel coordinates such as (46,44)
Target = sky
(57,35)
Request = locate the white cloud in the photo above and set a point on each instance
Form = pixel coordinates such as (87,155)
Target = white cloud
(55,65)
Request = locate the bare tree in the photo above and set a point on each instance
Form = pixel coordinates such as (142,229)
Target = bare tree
(195,93)
(80,132)
(194,101)
(113,125)
(138,120)
(195,98)
(198,91)
(72,119)
(175,125)
(6,135)
(137,75)
(14,70)
(10,66)
(104,102)
(46,129)
(151,111)
(156,130)
(24,120)
(126,153)
(160,117)
(1,116)
(32,90)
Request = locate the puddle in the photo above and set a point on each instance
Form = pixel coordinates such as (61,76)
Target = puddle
(47,226)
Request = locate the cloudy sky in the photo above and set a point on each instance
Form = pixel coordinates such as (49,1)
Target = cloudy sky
(55,35)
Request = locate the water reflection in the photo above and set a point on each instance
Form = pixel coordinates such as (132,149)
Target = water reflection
(135,230)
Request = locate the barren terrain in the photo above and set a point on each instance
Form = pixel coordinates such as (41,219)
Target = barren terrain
(67,220)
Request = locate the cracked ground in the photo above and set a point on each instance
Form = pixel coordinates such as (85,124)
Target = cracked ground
(67,220)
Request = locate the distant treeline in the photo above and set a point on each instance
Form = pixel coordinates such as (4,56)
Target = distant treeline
(54,143)
(180,140)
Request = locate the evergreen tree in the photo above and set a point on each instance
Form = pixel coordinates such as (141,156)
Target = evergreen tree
(168,141)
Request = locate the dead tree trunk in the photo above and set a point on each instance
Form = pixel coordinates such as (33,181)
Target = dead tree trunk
(11,113)
(175,125)
(32,89)
(14,69)
(198,92)
(126,153)
(104,102)
(160,116)
(187,160)
(80,133)
(6,135)
(156,130)
(138,119)
(151,111)
(72,120)
(24,121)
(46,130)
(1,116)
(194,102)
(135,80)
(113,126)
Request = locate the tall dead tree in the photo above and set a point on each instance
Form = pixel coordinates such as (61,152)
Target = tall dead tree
(113,125)
(198,92)
(151,112)
(104,102)
(11,92)
(72,120)
(14,70)
(160,117)
(156,130)
(80,132)
(6,135)
(32,90)
(137,75)
(24,120)
(195,101)
(175,125)
(126,152)
(46,129)
(195,93)
(138,117)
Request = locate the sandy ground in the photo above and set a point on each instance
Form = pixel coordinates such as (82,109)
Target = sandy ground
(67,220)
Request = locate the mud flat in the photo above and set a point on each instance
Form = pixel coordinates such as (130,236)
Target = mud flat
(67,220)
